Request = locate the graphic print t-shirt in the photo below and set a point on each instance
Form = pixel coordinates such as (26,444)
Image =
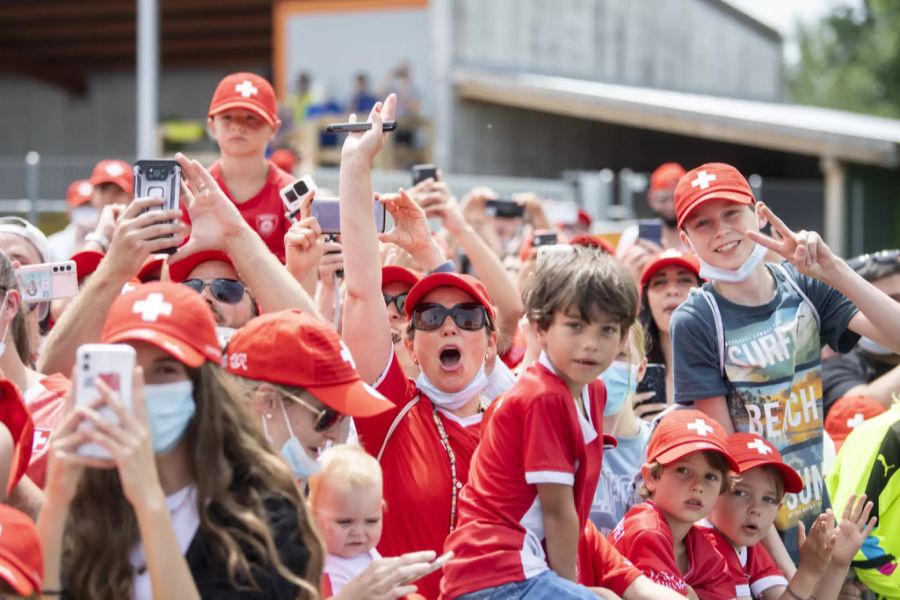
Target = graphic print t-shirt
(773,380)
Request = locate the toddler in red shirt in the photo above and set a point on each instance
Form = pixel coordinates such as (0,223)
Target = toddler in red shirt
(533,476)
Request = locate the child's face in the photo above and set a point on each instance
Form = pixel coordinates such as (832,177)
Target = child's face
(745,514)
(240,132)
(687,489)
(349,519)
(581,350)
(715,230)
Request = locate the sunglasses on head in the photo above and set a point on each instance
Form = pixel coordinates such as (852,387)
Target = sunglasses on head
(399,300)
(229,291)
(325,418)
(469,316)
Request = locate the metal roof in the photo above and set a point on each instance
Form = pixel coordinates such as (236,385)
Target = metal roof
(787,127)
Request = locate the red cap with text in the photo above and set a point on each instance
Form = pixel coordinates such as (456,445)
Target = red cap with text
(113,171)
(17,419)
(170,316)
(666,177)
(751,451)
(712,181)
(21,558)
(79,192)
(670,258)
(683,432)
(293,349)
(248,91)
(466,283)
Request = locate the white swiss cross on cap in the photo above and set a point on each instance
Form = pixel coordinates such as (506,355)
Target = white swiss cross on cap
(246,89)
(151,308)
(703,179)
(114,169)
(857,420)
(345,354)
(701,427)
(760,446)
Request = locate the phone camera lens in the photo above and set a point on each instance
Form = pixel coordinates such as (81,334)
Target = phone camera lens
(55,269)
(68,267)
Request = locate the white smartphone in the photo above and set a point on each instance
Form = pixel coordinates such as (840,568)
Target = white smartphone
(293,195)
(48,281)
(114,365)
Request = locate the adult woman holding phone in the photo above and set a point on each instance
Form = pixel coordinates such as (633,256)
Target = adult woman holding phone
(192,501)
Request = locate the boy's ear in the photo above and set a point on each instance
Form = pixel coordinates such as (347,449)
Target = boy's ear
(647,475)
(761,221)
(686,241)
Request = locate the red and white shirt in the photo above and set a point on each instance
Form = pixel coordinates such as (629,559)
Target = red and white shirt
(264,212)
(17,420)
(751,567)
(601,565)
(644,537)
(417,480)
(536,434)
(45,402)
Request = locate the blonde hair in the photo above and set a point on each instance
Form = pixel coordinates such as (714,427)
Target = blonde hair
(637,350)
(346,467)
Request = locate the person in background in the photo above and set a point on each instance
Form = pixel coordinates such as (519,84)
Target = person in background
(113,182)
(82,220)
(362,100)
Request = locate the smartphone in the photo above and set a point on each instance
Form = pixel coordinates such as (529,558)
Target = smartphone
(422,172)
(504,208)
(435,565)
(650,230)
(114,365)
(160,178)
(654,381)
(328,213)
(294,194)
(544,238)
(48,281)
(354,127)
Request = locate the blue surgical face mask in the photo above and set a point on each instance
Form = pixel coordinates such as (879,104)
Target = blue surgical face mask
(302,465)
(170,408)
(621,380)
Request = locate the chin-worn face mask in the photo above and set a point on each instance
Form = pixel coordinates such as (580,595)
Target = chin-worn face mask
(708,271)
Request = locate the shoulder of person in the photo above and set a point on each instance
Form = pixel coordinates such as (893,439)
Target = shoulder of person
(694,307)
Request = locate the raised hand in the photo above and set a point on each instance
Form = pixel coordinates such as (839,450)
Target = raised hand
(804,249)
(304,246)
(817,547)
(853,529)
(410,232)
(138,234)
(366,145)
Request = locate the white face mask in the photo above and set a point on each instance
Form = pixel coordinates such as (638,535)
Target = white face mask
(452,400)
(499,381)
(707,271)
(85,215)
(302,465)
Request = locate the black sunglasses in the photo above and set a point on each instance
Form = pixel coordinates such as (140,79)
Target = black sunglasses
(399,300)
(470,316)
(229,291)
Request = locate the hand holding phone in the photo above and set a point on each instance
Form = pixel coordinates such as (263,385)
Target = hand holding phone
(114,365)
(544,238)
(650,230)
(435,565)
(504,208)
(356,127)
(159,178)
(654,384)
(422,172)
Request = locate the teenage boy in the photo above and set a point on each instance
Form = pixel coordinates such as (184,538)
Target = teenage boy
(532,479)
(747,345)
(243,119)
(687,468)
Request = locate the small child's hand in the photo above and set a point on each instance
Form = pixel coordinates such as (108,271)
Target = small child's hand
(817,547)
(853,529)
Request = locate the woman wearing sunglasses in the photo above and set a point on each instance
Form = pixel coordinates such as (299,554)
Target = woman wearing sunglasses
(302,383)
(425,443)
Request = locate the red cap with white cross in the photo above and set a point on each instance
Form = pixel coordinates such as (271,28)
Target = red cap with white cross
(751,451)
(248,91)
(712,181)
(293,349)
(168,315)
(683,432)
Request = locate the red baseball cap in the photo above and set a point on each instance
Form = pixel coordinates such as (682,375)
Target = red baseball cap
(284,159)
(181,269)
(21,558)
(847,413)
(79,192)
(248,91)
(712,181)
(751,451)
(294,349)
(665,177)
(670,258)
(170,316)
(584,217)
(17,419)
(593,241)
(86,262)
(151,270)
(113,171)
(466,283)
(683,432)
(395,274)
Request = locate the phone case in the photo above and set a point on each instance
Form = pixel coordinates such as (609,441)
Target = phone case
(48,281)
(328,213)
(422,172)
(159,179)
(111,363)
(654,381)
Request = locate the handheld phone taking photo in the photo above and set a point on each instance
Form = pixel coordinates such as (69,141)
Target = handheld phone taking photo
(504,208)
(650,230)
(354,127)
(159,178)
(654,381)
(328,212)
(112,364)
(48,281)
(294,194)
(544,238)
(422,172)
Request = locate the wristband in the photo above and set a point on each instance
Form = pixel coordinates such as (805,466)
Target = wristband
(447,267)
(98,238)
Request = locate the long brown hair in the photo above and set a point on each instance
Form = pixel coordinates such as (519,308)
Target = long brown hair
(235,472)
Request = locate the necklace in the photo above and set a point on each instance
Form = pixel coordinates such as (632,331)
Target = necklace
(455,484)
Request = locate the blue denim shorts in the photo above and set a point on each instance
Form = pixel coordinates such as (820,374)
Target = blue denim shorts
(546,586)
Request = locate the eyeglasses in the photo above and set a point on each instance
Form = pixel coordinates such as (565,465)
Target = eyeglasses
(325,418)
(229,291)
(399,300)
(470,316)
(885,257)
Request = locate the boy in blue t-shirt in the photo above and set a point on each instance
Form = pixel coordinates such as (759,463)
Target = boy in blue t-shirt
(747,343)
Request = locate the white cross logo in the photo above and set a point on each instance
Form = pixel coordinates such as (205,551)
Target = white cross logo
(857,419)
(246,89)
(703,180)
(701,427)
(151,308)
(345,354)
(39,442)
(760,446)
(114,169)
(85,188)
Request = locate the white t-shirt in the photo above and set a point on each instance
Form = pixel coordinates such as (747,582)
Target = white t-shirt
(342,570)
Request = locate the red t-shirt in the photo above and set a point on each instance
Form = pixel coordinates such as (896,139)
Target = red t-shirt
(417,481)
(264,212)
(15,416)
(535,435)
(45,401)
(601,565)
(643,536)
(751,567)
